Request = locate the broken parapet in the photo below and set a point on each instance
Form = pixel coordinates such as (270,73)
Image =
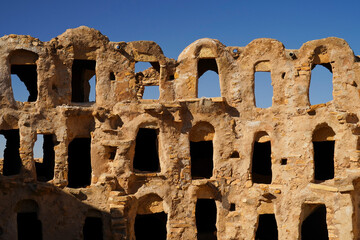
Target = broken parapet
(178,167)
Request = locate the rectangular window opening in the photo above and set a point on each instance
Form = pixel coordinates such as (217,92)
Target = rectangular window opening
(24,82)
(261,163)
(28,226)
(201,154)
(263,89)
(83,81)
(151,92)
(147,76)
(12,162)
(79,163)
(324,160)
(93,228)
(267,227)
(44,156)
(314,225)
(208,78)
(321,85)
(205,214)
(146,158)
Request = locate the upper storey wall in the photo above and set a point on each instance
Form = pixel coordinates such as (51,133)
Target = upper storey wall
(116,80)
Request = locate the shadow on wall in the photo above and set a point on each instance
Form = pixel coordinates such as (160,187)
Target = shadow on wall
(43,211)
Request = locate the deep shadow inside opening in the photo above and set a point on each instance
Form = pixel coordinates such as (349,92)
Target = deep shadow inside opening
(261,163)
(45,170)
(28,226)
(82,72)
(93,228)
(12,161)
(146,158)
(151,226)
(267,227)
(28,75)
(201,154)
(205,213)
(79,163)
(315,226)
(324,160)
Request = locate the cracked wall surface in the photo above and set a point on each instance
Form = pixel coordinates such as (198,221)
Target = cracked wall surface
(104,163)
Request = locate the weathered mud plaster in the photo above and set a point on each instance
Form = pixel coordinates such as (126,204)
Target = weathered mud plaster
(190,135)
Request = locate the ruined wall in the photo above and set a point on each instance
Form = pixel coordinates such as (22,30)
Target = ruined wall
(256,165)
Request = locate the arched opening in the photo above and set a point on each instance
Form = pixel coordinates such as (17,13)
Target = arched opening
(205,213)
(321,85)
(12,161)
(147,76)
(263,89)
(314,225)
(324,147)
(261,159)
(201,150)
(267,227)
(28,224)
(150,221)
(44,156)
(83,82)
(208,78)
(79,163)
(146,158)
(24,75)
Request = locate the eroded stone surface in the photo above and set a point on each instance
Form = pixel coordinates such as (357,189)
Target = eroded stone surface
(118,190)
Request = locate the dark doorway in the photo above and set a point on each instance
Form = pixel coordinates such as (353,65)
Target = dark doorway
(12,160)
(261,162)
(28,226)
(314,226)
(205,213)
(324,160)
(79,163)
(45,170)
(93,228)
(146,158)
(82,72)
(151,226)
(267,228)
(201,154)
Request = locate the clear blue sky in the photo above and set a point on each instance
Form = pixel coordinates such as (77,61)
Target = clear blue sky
(176,24)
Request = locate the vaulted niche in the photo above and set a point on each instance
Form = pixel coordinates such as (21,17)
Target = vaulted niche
(324,146)
(147,75)
(208,78)
(24,80)
(321,84)
(263,89)
(93,228)
(314,224)
(44,156)
(28,224)
(12,161)
(267,227)
(146,158)
(83,81)
(261,159)
(79,163)
(150,221)
(205,214)
(201,150)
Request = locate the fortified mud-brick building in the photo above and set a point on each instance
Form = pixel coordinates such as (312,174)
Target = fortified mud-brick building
(178,167)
